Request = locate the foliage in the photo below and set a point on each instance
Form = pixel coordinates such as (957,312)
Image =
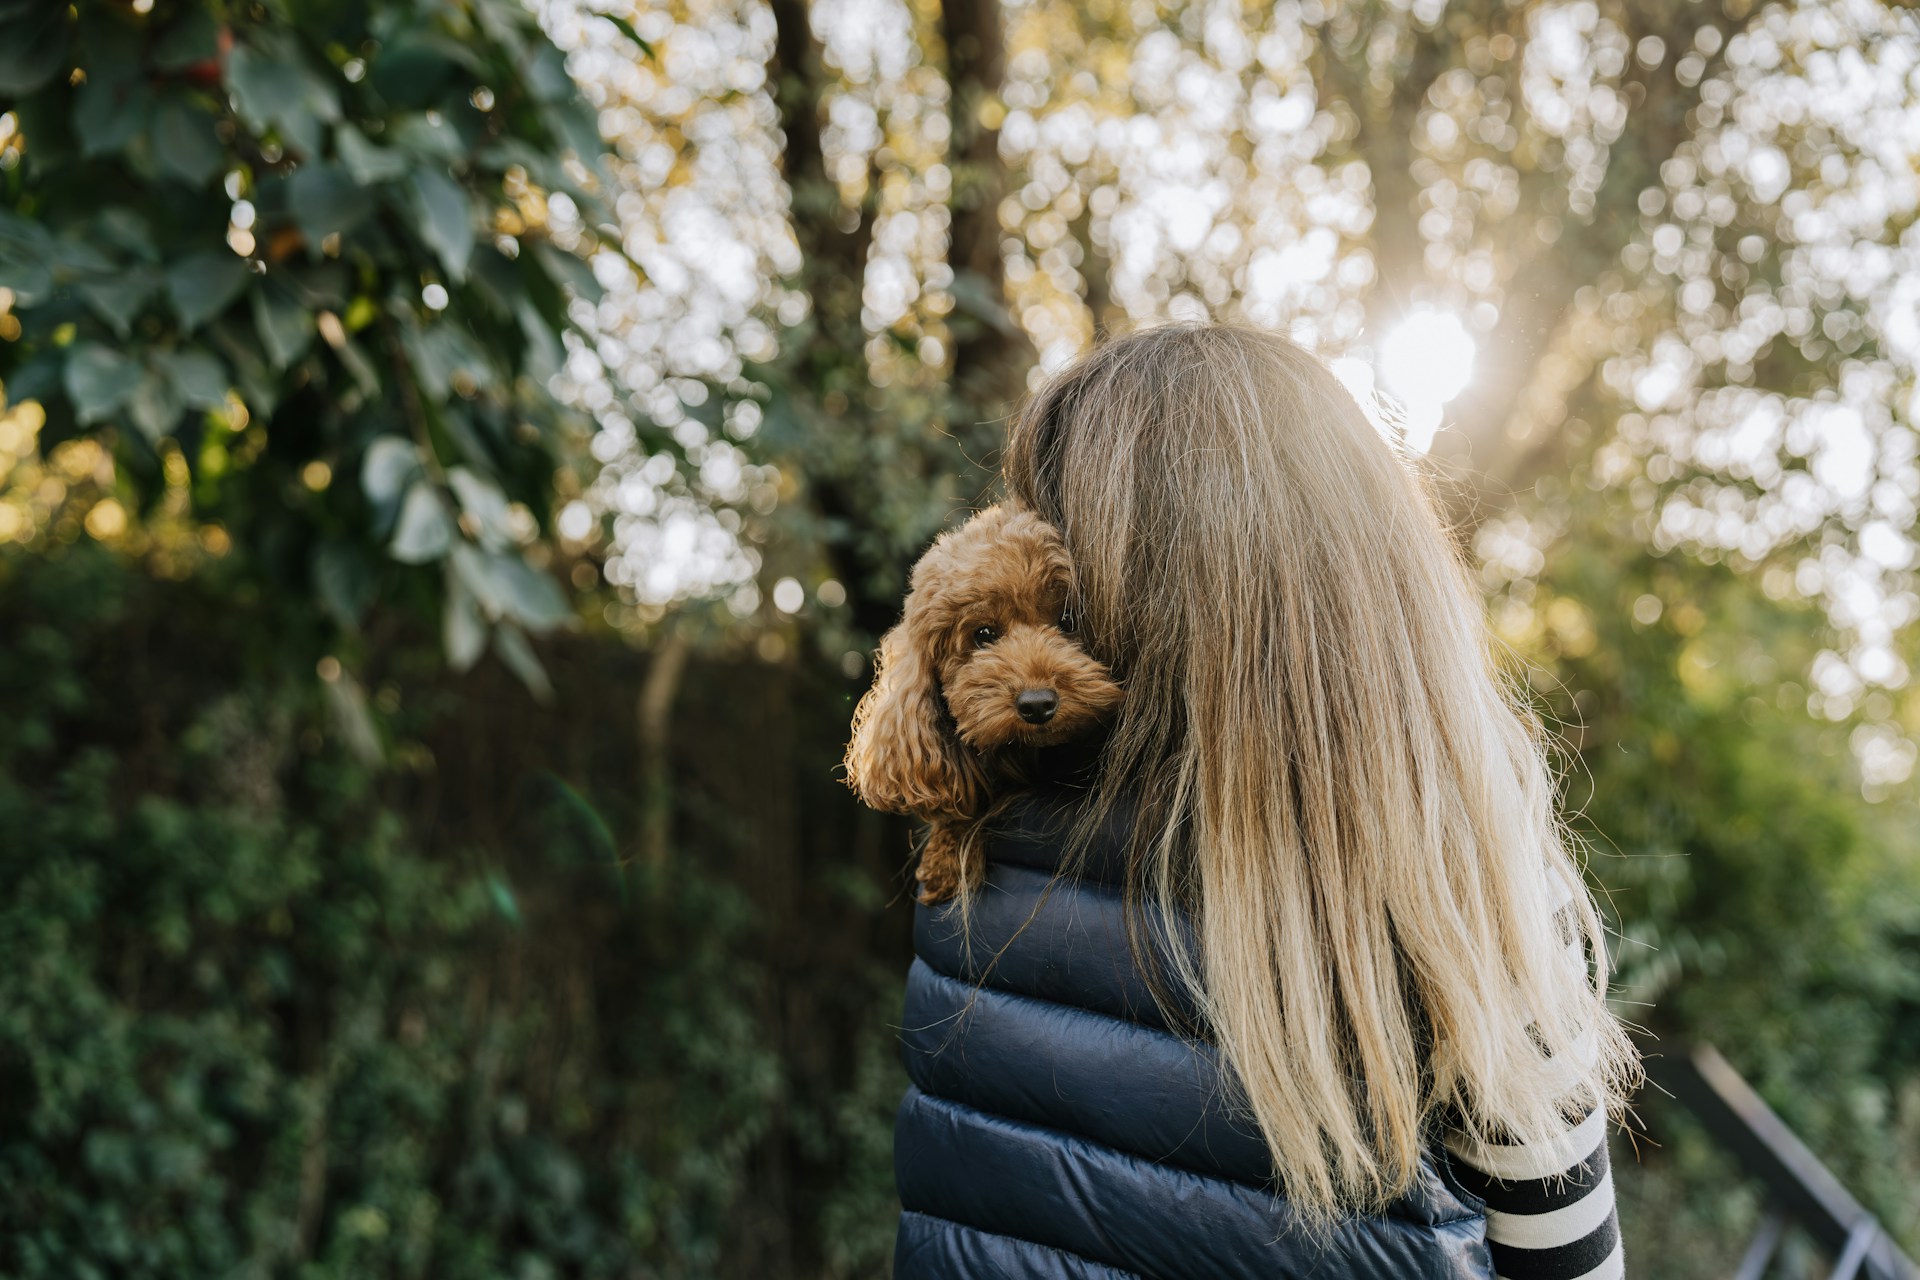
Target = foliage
(1763,904)
(248,1024)
(284,285)
(322,254)
(786,418)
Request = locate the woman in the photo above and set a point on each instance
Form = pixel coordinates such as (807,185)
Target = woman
(1292,973)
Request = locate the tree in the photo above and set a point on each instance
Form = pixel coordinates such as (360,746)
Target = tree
(790,308)
(309,269)
(1675,232)
(883,471)
(1763,904)
(1676,227)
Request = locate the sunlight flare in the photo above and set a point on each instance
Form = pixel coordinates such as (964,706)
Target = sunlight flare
(1425,361)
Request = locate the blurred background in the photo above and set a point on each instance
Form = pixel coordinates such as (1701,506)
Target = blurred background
(456,460)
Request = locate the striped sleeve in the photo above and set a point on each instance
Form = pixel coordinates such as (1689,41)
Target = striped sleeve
(1547,1219)
(1550,1205)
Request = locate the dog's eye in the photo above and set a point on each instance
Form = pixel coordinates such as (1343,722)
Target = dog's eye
(984,636)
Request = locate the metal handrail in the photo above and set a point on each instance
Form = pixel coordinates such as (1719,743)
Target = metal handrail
(1799,1188)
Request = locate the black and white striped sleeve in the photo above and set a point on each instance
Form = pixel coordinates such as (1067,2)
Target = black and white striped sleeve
(1550,1204)
(1548,1218)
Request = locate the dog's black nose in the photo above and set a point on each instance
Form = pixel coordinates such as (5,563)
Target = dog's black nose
(1036,706)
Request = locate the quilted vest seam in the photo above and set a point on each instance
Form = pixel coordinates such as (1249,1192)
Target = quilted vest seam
(1035,1244)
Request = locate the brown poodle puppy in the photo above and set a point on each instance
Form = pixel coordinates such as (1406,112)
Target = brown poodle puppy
(981,668)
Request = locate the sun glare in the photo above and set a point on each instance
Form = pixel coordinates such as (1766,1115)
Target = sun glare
(1426,361)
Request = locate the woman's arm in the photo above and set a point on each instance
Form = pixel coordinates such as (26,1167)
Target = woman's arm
(1550,1207)
(1547,1219)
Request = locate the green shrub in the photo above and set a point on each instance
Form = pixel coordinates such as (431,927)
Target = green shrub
(250,1026)
(1764,905)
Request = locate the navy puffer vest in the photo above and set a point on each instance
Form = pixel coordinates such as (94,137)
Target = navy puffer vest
(1055,1126)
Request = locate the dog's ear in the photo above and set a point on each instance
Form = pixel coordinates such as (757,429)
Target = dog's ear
(904,757)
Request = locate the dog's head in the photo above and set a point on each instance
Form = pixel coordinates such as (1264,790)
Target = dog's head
(983,659)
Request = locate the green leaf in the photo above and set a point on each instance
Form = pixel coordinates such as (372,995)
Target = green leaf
(428,138)
(517,652)
(571,271)
(318,286)
(625,28)
(285,327)
(191,40)
(546,74)
(202,284)
(358,367)
(505,586)
(184,143)
(533,598)
(198,377)
(33,49)
(975,296)
(256,383)
(425,531)
(99,380)
(154,406)
(543,355)
(497,281)
(31,282)
(273,85)
(123,229)
(464,631)
(389,466)
(344,581)
(506,21)
(367,164)
(264,91)
(24,269)
(468,442)
(443,219)
(108,113)
(577,126)
(23,243)
(348,703)
(117,298)
(473,568)
(410,71)
(37,379)
(326,201)
(73,256)
(487,506)
(440,351)
(503,900)
(543,168)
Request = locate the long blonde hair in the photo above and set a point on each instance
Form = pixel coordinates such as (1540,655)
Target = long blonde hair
(1335,780)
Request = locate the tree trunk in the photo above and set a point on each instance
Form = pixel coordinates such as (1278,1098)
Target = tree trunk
(1097,271)
(827,377)
(1387,143)
(991,354)
(654,714)
(833,243)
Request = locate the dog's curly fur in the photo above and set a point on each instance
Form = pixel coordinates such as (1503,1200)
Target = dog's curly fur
(941,730)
